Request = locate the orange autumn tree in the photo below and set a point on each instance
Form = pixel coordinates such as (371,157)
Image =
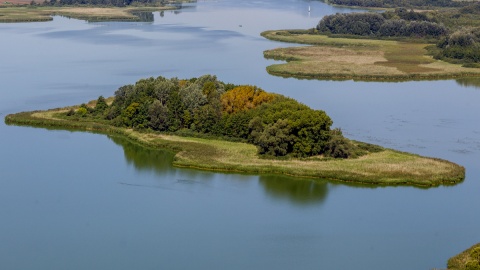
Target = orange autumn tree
(243,98)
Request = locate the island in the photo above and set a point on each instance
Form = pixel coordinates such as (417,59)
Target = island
(217,126)
(467,260)
(395,45)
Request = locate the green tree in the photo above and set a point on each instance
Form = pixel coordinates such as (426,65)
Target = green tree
(175,111)
(82,112)
(338,146)
(192,97)
(101,105)
(206,119)
(158,116)
(187,119)
(163,89)
(276,139)
(129,114)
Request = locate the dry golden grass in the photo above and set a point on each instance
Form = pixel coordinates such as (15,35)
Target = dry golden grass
(358,59)
(331,60)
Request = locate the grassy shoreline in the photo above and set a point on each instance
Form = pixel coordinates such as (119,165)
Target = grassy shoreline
(18,14)
(385,168)
(357,59)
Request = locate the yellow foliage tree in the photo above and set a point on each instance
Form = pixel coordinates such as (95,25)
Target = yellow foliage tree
(243,98)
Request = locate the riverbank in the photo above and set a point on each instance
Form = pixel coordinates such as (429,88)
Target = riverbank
(24,13)
(357,59)
(383,168)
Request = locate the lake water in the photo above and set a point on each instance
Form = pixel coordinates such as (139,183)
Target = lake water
(77,200)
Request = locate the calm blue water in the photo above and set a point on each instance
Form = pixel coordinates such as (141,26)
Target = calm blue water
(75,200)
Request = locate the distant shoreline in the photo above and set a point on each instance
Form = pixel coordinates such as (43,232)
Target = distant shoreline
(385,168)
(27,13)
(357,59)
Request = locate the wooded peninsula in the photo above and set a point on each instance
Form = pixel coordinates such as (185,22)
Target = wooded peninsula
(218,126)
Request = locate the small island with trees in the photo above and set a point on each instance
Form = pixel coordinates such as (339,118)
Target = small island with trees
(218,126)
(397,44)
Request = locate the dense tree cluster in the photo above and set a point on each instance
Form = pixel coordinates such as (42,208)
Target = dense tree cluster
(407,15)
(351,23)
(277,125)
(398,3)
(462,44)
(400,23)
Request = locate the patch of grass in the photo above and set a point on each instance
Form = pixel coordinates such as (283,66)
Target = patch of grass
(359,59)
(379,167)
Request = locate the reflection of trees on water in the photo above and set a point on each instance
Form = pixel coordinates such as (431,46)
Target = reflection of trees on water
(298,191)
(144,16)
(469,82)
(143,158)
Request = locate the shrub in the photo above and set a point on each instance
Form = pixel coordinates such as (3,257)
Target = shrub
(82,112)
(338,146)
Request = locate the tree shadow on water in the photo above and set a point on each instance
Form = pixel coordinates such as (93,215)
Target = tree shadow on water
(473,82)
(143,158)
(295,190)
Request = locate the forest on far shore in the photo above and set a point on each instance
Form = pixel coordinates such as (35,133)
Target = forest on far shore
(400,3)
(115,3)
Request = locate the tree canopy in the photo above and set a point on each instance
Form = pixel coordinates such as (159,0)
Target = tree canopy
(398,23)
(276,124)
(399,3)
(463,44)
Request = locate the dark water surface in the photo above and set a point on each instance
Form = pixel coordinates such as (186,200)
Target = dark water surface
(76,200)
